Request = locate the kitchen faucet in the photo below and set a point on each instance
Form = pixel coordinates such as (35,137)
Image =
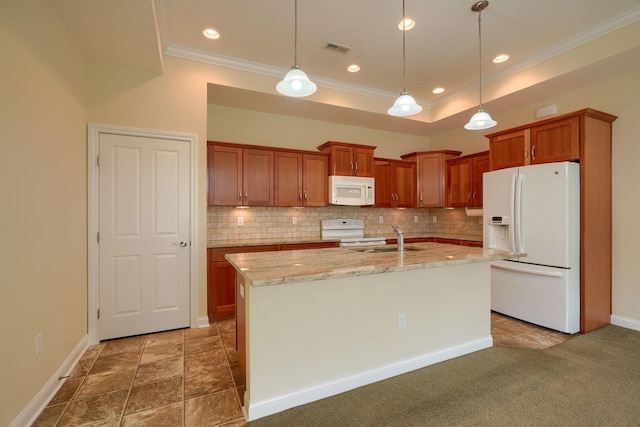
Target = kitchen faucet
(400,237)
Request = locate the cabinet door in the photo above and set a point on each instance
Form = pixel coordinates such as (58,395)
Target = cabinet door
(363,162)
(556,142)
(288,178)
(430,181)
(221,300)
(458,182)
(383,184)
(480,165)
(315,187)
(224,175)
(404,185)
(342,159)
(509,150)
(258,177)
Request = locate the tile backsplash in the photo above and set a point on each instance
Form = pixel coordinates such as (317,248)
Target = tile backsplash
(278,222)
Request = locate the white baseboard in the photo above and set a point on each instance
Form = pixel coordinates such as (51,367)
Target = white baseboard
(40,401)
(625,322)
(203,322)
(264,408)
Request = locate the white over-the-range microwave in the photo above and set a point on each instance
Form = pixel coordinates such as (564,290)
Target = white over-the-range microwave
(351,190)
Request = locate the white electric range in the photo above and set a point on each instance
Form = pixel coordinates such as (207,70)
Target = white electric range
(350,232)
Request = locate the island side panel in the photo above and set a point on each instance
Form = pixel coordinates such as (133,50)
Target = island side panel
(335,334)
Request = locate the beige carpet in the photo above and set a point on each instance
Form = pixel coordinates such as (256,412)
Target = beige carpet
(590,380)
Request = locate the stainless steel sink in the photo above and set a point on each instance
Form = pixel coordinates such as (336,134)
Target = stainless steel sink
(385,249)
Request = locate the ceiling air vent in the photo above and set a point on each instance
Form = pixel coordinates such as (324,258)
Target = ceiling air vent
(336,47)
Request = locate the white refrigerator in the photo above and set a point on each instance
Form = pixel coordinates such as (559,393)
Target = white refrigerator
(535,210)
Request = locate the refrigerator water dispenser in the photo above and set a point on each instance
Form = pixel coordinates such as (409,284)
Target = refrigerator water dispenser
(498,233)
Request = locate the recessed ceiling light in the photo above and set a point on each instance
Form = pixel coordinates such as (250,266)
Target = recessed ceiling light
(210,33)
(406,24)
(438,90)
(500,58)
(353,68)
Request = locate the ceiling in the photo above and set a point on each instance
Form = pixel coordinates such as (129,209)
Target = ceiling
(442,50)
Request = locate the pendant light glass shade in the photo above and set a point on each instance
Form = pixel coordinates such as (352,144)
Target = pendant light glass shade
(481,119)
(405,105)
(295,82)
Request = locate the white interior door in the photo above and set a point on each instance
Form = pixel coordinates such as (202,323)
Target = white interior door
(144,214)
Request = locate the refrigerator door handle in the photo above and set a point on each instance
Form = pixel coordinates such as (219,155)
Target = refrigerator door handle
(528,270)
(518,214)
(512,240)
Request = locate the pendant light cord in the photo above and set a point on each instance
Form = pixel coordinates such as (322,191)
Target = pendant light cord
(480,50)
(404,55)
(295,35)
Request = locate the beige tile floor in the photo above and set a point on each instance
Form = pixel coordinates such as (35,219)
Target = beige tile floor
(189,377)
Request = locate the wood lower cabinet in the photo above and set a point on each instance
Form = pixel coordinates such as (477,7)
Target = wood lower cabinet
(584,136)
(238,176)
(301,179)
(431,176)
(395,183)
(460,242)
(464,179)
(221,276)
(347,159)
(221,293)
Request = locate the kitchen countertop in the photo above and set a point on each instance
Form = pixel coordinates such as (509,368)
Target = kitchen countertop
(281,241)
(276,268)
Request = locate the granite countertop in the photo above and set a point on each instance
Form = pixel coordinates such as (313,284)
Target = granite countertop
(280,241)
(276,268)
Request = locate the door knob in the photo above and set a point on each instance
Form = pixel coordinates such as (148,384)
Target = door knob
(182,244)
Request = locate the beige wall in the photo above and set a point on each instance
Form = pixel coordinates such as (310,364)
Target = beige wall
(43,259)
(45,81)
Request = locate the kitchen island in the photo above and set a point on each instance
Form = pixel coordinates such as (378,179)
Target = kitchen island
(315,323)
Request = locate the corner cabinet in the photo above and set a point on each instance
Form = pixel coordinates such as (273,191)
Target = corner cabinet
(431,176)
(464,180)
(395,183)
(238,176)
(301,179)
(347,159)
(584,136)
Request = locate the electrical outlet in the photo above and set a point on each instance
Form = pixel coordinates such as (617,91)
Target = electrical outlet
(381,219)
(240,221)
(38,344)
(434,219)
(294,220)
(402,321)
(415,218)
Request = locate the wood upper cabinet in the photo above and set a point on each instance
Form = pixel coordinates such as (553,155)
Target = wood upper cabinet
(301,179)
(464,179)
(347,159)
(395,183)
(239,176)
(431,176)
(554,140)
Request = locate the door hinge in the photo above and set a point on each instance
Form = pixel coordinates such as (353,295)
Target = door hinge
(98,237)
(98,160)
(98,313)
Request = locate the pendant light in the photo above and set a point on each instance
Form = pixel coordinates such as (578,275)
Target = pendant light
(405,105)
(481,119)
(295,82)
